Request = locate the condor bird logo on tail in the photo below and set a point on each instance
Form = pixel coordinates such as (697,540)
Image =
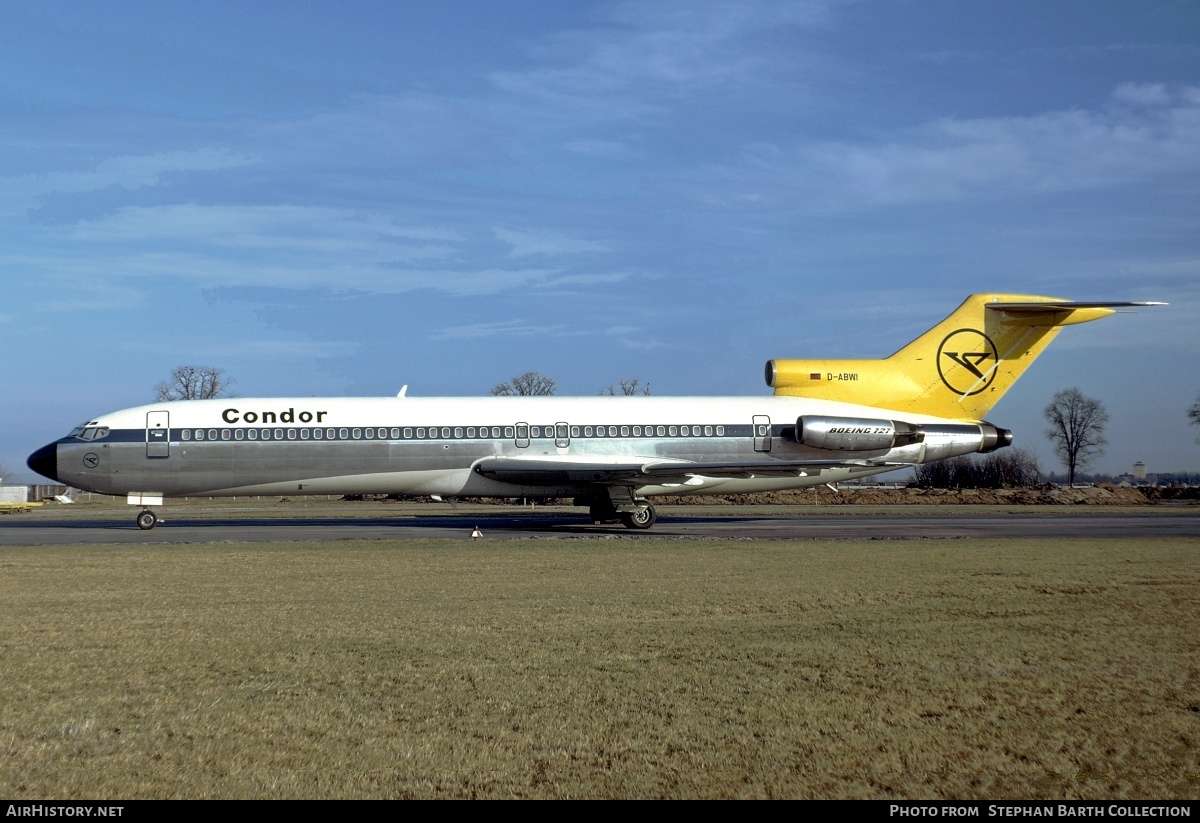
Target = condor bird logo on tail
(973,351)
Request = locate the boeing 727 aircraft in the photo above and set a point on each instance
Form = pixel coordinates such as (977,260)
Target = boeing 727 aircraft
(828,421)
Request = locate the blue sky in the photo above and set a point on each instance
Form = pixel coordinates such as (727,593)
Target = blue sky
(344,198)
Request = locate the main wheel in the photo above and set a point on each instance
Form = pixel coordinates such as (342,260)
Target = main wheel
(146,520)
(640,519)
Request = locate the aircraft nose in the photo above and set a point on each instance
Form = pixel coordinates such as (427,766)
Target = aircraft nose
(44,461)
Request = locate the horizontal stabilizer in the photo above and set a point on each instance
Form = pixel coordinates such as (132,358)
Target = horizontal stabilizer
(1066,305)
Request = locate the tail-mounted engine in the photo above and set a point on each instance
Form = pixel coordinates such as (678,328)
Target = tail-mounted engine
(855,433)
(867,434)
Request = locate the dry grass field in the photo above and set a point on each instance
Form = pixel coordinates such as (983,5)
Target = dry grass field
(602,668)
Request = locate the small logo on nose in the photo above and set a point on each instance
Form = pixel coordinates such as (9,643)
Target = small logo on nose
(91,460)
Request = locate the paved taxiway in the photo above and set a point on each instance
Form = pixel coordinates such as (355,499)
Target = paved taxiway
(217,529)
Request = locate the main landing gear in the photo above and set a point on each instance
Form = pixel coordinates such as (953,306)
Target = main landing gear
(643,518)
(618,505)
(147,520)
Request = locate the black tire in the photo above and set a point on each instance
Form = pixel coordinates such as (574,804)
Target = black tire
(146,521)
(642,519)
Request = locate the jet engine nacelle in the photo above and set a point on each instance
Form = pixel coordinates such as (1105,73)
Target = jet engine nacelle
(953,439)
(855,433)
(868,434)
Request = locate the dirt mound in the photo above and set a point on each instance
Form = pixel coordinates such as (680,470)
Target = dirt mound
(1103,495)
(1048,495)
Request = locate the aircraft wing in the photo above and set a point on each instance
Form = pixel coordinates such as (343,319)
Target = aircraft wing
(621,470)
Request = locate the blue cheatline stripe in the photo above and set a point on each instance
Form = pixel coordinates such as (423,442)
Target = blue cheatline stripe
(418,434)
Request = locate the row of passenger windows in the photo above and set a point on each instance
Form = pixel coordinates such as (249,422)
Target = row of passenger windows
(521,432)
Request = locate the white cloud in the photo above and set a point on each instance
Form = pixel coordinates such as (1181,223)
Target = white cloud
(952,159)
(643,55)
(599,148)
(286,350)
(290,247)
(1142,94)
(502,328)
(21,192)
(584,280)
(527,243)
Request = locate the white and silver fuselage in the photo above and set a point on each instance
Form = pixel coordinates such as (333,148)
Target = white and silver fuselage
(496,446)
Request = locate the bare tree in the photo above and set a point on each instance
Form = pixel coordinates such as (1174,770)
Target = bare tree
(1194,415)
(1007,469)
(193,383)
(529,384)
(629,387)
(1076,429)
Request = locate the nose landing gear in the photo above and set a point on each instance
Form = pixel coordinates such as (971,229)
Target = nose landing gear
(147,520)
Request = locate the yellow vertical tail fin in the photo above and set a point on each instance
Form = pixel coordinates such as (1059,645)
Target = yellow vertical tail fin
(958,369)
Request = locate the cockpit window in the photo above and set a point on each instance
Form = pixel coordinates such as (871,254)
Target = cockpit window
(90,432)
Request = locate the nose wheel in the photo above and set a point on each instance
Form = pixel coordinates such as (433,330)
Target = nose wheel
(147,520)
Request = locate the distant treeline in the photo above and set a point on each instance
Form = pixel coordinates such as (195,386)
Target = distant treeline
(1007,469)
